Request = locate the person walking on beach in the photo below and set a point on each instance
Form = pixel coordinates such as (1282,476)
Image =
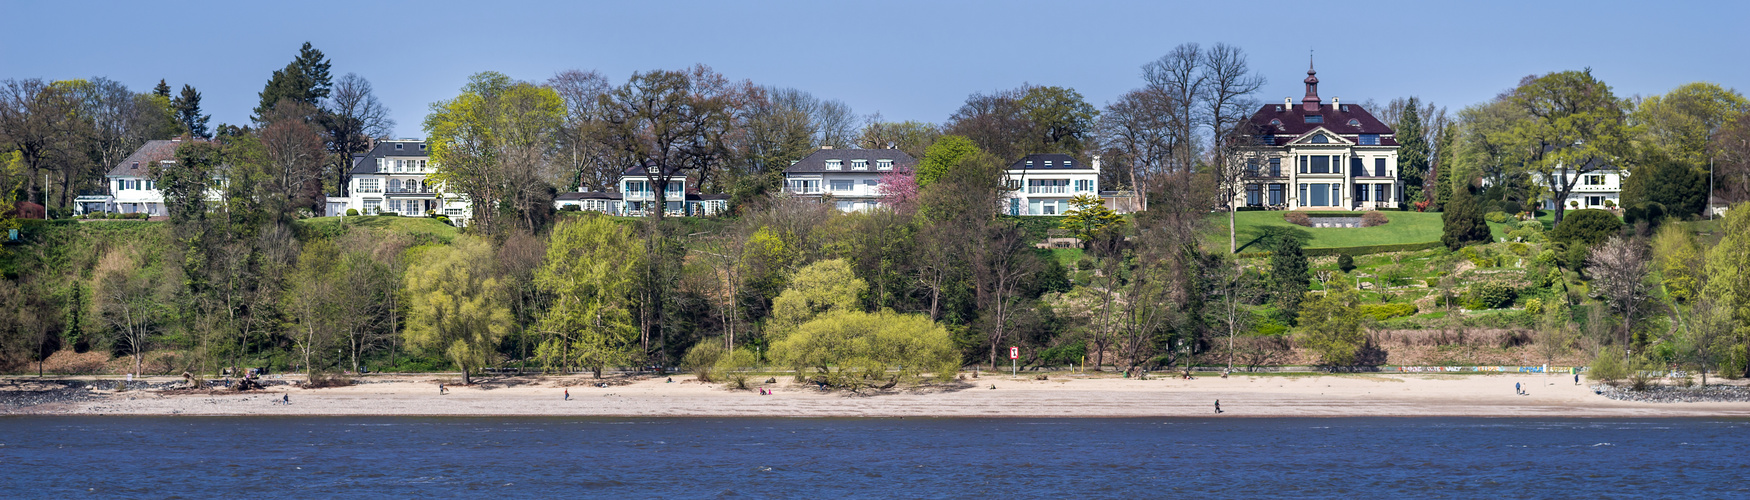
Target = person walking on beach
(286,399)
(1517,389)
(567,393)
(1576,378)
(1218,406)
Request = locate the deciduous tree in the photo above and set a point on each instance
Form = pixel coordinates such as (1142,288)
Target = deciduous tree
(455,306)
(590,267)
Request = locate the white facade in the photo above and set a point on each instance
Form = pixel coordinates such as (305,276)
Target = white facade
(850,179)
(1043,184)
(393,178)
(1316,156)
(638,197)
(130,188)
(1591,190)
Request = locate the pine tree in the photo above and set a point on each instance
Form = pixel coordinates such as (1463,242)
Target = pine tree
(1288,271)
(1462,221)
(1413,152)
(163,89)
(188,112)
(305,79)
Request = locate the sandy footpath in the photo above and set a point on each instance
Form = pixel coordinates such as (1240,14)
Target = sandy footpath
(1062,396)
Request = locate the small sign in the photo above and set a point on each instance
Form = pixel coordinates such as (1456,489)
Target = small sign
(1014,353)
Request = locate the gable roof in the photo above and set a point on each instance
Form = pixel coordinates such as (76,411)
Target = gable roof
(139,164)
(367,163)
(816,162)
(1057,161)
(642,171)
(1293,120)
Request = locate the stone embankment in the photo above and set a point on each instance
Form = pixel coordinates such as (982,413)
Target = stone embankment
(1666,394)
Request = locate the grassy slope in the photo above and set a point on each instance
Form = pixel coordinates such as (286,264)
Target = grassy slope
(1405,227)
(420,228)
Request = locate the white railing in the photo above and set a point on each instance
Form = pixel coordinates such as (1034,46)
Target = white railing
(1047,189)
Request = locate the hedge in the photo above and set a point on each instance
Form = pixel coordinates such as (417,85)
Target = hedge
(1384,312)
(1352,251)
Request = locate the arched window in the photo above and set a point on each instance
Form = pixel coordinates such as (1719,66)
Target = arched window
(394,185)
(1320,139)
(1276,123)
(1354,122)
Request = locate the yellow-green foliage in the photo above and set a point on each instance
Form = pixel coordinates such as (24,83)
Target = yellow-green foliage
(1608,366)
(1676,256)
(455,307)
(1090,217)
(1384,312)
(853,349)
(590,266)
(1330,323)
(1728,271)
(823,286)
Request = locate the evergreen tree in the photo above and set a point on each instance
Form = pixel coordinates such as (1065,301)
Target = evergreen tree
(1413,152)
(1443,165)
(1463,219)
(1678,189)
(305,79)
(162,90)
(1288,271)
(188,112)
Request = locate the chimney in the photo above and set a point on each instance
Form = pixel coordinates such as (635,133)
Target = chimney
(1096,163)
(1287,103)
(826,147)
(1334,102)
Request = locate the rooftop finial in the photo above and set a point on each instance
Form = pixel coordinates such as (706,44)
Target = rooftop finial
(1311,101)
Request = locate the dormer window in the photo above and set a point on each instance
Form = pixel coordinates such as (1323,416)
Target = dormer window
(835,164)
(397,146)
(1315,118)
(1069,164)
(1369,139)
(422,147)
(1047,163)
(884,164)
(1354,122)
(1345,108)
(859,164)
(1276,123)
(1319,139)
(1279,108)
(1029,163)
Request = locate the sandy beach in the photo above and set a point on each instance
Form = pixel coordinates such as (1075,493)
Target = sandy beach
(1063,395)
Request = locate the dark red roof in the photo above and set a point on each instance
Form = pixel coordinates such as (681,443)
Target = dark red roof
(1336,119)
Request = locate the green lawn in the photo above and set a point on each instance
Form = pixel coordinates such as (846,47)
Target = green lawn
(1405,227)
(420,228)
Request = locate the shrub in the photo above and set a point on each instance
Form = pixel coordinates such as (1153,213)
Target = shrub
(1375,218)
(1534,306)
(1546,257)
(1345,262)
(1498,217)
(1609,204)
(444,219)
(1586,227)
(1384,312)
(702,360)
(1519,249)
(1432,282)
(1298,218)
(570,208)
(352,212)
(1525,235)
(1491,295)
(1650,211)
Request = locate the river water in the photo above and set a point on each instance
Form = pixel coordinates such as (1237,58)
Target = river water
(329,457)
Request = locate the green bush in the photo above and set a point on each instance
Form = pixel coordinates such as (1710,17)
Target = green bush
(352,212)
(1519,249)
(389,214)
(1432,282)
(570,208)
(1498,217)
(1345,262)
(1586,227)
(1384,312)
(1491,295)
(1534,306)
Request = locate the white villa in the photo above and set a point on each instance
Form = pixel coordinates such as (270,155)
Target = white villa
(1317,156)
(1593,189)
(130,184)
(849,178)
(637,196)
(1042,184)
(391,178)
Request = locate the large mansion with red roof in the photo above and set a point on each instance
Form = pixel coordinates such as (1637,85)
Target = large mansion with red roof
(1318,156)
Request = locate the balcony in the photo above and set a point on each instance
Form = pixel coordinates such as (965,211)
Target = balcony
(409,190)
(1047,189)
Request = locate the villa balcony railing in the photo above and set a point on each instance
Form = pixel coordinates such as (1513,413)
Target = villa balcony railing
(1047,189)
(805,191)
(407,190)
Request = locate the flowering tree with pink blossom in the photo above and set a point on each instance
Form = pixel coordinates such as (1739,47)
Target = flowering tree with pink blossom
(899,190)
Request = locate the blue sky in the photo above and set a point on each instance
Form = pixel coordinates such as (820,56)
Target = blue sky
(906,60)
